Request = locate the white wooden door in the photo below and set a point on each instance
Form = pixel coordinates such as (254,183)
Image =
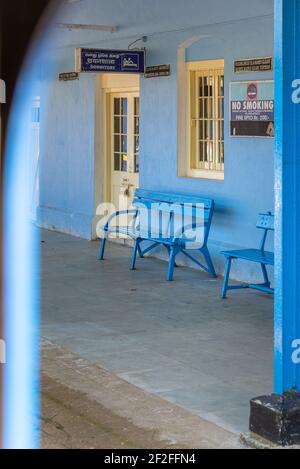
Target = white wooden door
(124,154)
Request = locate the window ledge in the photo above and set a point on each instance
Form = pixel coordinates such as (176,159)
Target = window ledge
(204,174)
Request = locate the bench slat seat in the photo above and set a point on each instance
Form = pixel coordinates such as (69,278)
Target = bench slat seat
(259,256)
(252,255)
(181,223)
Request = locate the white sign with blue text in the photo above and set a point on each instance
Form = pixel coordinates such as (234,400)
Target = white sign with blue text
(110,61)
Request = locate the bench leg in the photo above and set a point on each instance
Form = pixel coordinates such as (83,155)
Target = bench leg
(173,254)
(209,262)
(226,278)
(169,251)
(265,274)
(134,254)
(102,250)
(140,251)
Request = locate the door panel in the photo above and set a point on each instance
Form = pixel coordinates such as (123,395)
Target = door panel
(124,152)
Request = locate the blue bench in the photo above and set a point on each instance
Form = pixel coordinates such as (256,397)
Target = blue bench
(180,223)
(260,256)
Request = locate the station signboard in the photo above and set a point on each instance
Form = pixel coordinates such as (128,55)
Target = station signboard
(110,61)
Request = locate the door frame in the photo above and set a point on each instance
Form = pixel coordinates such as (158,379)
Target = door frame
(109,136)
(105,85)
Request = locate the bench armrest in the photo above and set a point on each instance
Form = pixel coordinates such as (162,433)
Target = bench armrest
(132,212)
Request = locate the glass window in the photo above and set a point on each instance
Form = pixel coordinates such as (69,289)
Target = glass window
(136,134)
(120,134)
(206,136)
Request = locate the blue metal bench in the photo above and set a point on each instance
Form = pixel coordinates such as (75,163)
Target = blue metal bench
(260,256)
(171,220)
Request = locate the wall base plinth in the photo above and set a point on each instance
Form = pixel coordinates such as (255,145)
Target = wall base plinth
(277,418)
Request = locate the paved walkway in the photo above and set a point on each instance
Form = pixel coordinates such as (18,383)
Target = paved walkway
(87,407)
(178,341)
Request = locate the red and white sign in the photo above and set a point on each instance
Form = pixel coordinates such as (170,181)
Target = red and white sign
(252,91)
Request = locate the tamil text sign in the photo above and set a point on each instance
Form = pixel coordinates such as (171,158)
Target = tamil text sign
(263,64)
(110,61)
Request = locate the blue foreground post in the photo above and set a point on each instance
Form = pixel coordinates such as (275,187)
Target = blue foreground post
(287,183)
(277,417)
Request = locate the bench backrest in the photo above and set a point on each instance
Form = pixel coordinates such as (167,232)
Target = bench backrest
(265,222)
(164,210)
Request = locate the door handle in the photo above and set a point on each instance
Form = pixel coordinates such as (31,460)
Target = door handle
(127,189)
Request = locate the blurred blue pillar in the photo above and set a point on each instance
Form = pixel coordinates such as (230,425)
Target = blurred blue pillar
(21,285)
(287,184)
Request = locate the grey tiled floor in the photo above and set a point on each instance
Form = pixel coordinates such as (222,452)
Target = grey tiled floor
(177,340)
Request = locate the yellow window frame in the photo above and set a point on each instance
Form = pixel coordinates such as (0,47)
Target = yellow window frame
(213,169)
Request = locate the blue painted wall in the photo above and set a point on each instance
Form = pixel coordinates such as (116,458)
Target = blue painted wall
(67,159)
(249,162)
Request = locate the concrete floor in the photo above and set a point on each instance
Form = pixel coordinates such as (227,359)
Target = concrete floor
(85,406)
(177,340)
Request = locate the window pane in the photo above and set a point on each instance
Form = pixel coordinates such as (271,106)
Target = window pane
(136,125)
(117,143)
(136,106)
(210,150)
(124,107)
(136,144)
(200,84)
(221,108)
(136,134)
(117,125)
(206,89)
(124,125)
(137,163)
(221,85)
(205,108)
(206,131)
(124,163)
(124,144)
(221,130)
(117,165)
(211,130)
(201,131)
(201,152)
(221,153)
(210,108)
(117,106)
(206,151)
